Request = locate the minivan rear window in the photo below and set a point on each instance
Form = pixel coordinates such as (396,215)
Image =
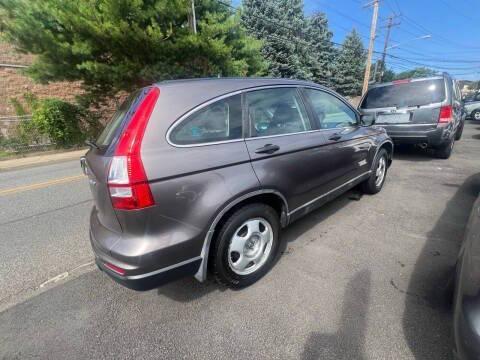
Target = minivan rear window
(113,127)
(405,94)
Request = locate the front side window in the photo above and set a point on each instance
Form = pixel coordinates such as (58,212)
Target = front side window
(331,112)
(220,121)
(275,112)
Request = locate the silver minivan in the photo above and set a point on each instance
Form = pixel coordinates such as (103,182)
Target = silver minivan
(426,111)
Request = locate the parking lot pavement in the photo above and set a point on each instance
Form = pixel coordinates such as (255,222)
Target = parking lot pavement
(358,280)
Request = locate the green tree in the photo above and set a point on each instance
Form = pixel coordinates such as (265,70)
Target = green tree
(321,53)
(350,65)
(279,24)
(416,73)
(114,45)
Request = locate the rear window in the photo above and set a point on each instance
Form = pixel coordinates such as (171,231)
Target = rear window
(415,93)
(113,127)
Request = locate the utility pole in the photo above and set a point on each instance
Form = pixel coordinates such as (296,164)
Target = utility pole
(192,18)
(390,24)
(373,30)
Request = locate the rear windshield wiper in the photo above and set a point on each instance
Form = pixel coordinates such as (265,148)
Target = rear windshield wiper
(92,144)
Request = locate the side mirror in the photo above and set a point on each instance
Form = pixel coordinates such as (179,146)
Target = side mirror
(367,119)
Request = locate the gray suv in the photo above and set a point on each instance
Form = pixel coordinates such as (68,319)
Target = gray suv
(427,111)
(202,174)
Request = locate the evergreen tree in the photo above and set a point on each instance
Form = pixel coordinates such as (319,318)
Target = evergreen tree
(350,65)
(279,24)
(321,55)
(113,45)
(416,73)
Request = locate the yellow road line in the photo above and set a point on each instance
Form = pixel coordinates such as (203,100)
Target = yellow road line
(40,185)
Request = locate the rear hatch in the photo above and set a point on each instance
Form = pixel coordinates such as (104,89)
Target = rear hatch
(414,102)
(101,159)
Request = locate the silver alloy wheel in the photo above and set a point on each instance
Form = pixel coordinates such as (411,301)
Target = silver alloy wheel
(380,172)
(476,115)
(250,246)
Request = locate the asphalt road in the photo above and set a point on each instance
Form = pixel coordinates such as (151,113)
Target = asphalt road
(360,279)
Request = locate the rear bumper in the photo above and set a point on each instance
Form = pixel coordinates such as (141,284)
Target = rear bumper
(144,263)
(430,135)
(155,279)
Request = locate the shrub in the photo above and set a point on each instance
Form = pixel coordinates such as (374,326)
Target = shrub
(59,120)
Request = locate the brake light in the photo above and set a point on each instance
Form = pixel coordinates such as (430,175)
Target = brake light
(127,181)
(446,115)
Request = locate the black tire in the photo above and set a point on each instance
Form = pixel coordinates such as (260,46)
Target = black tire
(476,114)
(459,132)
(223,271)
(444,151)
(370,186)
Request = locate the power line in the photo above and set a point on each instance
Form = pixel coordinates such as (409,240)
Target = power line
(306,42)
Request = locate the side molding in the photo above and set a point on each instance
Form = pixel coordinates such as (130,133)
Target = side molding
(201,274)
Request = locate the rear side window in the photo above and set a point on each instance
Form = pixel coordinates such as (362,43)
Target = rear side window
(331,112)
(276,112)
(219,121)
(118,119)
(405,94)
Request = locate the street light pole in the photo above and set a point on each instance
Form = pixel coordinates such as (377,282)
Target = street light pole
(387,39)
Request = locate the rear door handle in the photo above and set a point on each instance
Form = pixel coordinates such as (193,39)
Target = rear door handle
(335,137)
(267,149)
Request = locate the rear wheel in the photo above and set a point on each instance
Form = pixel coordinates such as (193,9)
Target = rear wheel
(459,132)
(476,114)
(377,178)
(246,246)
(444,151)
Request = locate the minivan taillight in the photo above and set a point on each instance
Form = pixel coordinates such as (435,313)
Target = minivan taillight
(446,115)
(127,181)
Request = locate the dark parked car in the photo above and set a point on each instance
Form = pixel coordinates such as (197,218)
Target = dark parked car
(466,317)
(204,173)
(427,111)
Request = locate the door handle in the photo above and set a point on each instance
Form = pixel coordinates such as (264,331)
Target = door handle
(267,149)
(335,137)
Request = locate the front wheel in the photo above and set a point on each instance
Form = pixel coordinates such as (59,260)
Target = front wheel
(377,177)
(246,245)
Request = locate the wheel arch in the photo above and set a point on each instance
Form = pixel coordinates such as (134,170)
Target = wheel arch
(267,196)
(387,145)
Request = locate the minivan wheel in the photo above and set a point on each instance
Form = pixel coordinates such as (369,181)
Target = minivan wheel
(459,132)
(246,246)
(476,114)
(444,151)
(377,178)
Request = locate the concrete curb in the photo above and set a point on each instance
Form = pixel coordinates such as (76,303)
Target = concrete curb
(36,160)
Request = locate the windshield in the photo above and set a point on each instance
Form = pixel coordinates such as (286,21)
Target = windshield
(405,94)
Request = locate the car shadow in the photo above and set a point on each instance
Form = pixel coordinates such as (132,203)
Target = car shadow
(304,224)
(349,340)
(413,153)
(476,136)
(189,289)
(427,321)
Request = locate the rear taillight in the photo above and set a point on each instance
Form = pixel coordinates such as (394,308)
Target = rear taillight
(446,115)
(115,269)
(127,181)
